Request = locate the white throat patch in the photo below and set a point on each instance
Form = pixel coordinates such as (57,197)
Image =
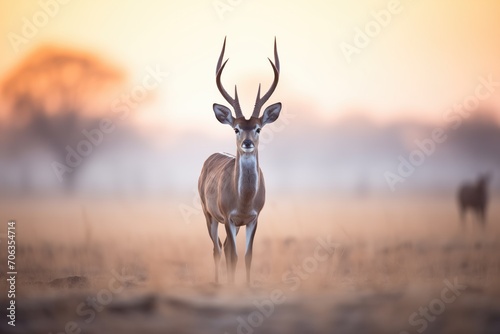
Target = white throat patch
(248,165)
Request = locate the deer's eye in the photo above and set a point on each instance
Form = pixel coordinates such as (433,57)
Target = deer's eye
(258,130)
(236,131)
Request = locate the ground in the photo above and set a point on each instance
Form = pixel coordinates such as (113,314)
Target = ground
(321,265)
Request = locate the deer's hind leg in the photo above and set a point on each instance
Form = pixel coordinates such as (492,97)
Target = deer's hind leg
(462,210)
(481,212)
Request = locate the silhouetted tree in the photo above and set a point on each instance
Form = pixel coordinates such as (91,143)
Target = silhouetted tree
(52,96)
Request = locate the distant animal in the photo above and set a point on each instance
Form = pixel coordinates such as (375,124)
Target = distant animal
(474,196)
(231,187)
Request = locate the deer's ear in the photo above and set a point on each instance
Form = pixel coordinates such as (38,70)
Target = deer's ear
(223,114)
(271,113)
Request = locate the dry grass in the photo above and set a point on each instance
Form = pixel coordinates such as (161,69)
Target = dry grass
(392,257)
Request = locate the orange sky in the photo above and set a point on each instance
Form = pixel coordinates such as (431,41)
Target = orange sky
(427,58)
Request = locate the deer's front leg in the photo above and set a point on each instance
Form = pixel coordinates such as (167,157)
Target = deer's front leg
(250,234)
(230,250)
(213,227)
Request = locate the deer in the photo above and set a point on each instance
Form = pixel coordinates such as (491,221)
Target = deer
(231,187)
(474,196)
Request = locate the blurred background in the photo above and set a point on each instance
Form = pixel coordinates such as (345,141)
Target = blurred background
(346,120)
(388,107)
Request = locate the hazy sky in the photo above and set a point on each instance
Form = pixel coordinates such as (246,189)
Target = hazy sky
(426,58)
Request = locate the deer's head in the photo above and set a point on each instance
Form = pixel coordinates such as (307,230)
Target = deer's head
(247,130)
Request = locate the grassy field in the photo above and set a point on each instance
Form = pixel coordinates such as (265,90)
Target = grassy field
(328,265)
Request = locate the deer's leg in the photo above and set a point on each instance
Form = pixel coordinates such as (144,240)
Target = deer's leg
(250,234)
(227,255)
(213,230)
(227,251)
(230,250)
(462,209)
(482,216)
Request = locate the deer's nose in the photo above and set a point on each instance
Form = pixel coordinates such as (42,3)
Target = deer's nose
(247,143)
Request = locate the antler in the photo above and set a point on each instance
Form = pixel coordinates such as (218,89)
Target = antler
(259,102)
(235,103)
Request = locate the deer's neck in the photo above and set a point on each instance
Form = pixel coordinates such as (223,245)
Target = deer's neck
(246,177)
